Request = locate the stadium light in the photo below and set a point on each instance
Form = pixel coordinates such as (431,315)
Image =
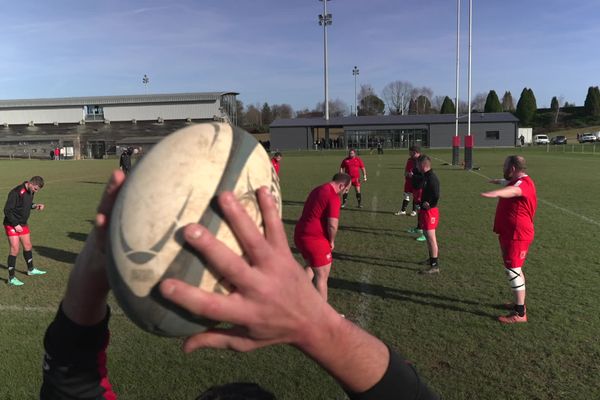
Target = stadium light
(355,72)
(325,19)
(469,138)
(145,81)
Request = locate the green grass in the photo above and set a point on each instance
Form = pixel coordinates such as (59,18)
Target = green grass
(445,324)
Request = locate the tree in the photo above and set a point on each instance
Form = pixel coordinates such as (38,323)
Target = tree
(555,107)
(437,102)
(397,96)
(592,102)
(423,105)
(508,104)
(447,106)
(492,103)
(526,107)
(422,102)
(253,119)
(371,105)
(267,115)
(282,111)
(478,102)
(239,109)
(337,108)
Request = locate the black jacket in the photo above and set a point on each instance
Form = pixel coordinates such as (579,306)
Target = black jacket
(18,206)
(431,189)
(125,161)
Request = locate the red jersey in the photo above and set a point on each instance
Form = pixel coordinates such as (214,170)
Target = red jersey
(276,165)
(322,203)
(410,165)
(352,166)
(514,216)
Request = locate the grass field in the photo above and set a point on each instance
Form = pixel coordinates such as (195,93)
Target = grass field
(445,324)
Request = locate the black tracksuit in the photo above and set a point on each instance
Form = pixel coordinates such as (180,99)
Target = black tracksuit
(18,206)
(431,190)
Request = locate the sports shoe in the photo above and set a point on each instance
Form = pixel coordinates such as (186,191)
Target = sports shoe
(430,271)
(35,271)
(411,230)
(421,238)
(14,282)
(360,206)
(343,205)
(413,213)
(512,318)
(400,212)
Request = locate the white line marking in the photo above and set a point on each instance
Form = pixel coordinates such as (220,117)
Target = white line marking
(49,310)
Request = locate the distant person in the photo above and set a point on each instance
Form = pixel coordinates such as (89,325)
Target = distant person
(514,225)
(276,161)
(57,154)
(125,160)
(522,139)
(317,228)
(352,165)
(413,154)
(290,312)
(379,147)
(51,154)
(429,214)
(16,213)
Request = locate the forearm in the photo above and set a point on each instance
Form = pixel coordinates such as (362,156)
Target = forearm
(505,193)
(364,171)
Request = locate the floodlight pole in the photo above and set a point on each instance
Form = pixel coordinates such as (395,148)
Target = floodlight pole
(456,138)
(325,19)
(355,72)
(469,137)
(145,81)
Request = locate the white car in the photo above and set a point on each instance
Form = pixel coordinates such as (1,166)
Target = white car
(587,138)
(541,139)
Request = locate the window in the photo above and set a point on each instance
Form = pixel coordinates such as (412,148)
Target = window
(492,135)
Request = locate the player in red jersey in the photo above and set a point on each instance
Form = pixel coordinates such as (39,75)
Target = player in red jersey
(352,165)
(276,161)
(316,229)
(414,152)
(514,225)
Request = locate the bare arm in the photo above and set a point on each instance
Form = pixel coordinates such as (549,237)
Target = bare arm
(332,228)
(505,193)
(364,171)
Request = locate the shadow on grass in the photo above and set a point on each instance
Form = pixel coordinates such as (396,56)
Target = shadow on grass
(425,299)
(56,254)
(292,203)
(82,237)
(377,261)
(372,231)
(365,210)
(93,183)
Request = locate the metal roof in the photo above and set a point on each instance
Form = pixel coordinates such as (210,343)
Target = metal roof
(393,120)
(113,100)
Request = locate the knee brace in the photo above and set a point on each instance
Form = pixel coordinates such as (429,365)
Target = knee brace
(516,280)
(406,196)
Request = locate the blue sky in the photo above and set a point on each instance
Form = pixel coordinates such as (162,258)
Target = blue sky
(273,50)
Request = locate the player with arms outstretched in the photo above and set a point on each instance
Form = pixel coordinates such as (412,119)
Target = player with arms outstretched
(352,165)
(517,203)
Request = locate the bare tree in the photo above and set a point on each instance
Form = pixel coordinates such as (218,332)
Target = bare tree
(337,108)
(397,96)
(365,90)
(436,102)
(422,97)
(478,102)
(253,118)
(463,107)
(282,111)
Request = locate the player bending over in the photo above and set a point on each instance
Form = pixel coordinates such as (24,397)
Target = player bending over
(517,202)
(429,214)
(316,229)
(414,152)
(16,213)
(352,165)
(290,312)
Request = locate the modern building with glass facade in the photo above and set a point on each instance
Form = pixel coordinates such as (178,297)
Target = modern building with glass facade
(392,131)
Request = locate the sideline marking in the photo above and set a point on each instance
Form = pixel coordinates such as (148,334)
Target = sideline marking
(8,307)
(546,202)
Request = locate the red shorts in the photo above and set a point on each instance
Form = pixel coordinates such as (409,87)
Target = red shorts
(514,252)
(10,230)
(355,181)
(417,195)
(429,219)
(315,251)
(408,186)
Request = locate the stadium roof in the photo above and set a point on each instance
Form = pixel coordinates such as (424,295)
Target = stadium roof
(393,120)
(114,100)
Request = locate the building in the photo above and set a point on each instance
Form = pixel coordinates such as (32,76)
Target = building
(392,131)
(94,127)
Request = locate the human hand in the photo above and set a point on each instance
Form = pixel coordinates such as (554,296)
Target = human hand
(365,179)
(425,206)
(18,228)
(332,245)
(272,302)
(40,207)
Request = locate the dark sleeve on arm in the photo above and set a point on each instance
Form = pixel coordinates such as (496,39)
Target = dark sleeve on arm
(400,381)
(9,207)
(435,191)
(75,360)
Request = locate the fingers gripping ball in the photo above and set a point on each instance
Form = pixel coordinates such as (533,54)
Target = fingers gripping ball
(175,184)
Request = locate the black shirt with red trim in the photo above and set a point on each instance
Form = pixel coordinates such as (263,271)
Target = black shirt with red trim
(18,206)
(431,189)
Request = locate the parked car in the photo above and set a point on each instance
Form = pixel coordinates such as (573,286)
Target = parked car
(541,139)
(558,140)
(587,138)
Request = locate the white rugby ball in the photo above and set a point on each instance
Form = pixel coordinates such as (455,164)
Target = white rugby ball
(175,184)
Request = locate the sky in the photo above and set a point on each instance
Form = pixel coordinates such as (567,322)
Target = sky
(272,51)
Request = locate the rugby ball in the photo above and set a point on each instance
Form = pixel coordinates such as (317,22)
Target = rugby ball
(173,185)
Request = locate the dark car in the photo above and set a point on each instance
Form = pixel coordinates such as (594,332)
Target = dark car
(558,140)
